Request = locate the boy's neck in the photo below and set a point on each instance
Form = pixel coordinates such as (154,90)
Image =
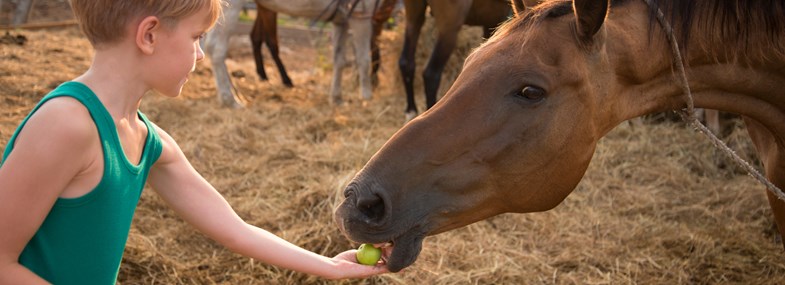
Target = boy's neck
(115,78)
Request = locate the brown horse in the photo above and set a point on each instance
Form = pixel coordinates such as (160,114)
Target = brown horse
(265,31)
(449,16)
(517,129)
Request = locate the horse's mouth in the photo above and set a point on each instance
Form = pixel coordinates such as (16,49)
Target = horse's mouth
(401,242)
(399,251)
(402,251)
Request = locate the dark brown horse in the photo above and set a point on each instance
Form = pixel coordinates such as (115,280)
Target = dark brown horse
(517,129)
(383,13)
(265,31)
(449,16)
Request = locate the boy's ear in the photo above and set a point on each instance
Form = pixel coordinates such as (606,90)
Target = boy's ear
(147,33)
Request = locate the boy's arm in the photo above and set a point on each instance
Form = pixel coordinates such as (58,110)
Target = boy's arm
(199,204)
(47,155)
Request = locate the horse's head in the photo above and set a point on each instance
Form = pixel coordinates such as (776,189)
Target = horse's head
(515,133)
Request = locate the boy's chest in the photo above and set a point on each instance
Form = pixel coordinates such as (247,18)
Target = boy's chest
(132,140)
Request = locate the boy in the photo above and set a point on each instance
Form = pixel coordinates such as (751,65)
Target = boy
(73,171)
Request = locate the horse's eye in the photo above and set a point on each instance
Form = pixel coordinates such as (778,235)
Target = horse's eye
(532,94)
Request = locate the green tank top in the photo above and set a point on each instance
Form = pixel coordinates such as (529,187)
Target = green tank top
(82,239)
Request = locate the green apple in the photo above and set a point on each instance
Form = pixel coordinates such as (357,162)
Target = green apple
(367,254)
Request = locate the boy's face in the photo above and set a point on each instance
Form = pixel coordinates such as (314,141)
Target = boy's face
(177,52)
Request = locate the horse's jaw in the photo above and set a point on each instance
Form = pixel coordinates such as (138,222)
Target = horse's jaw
(405,250)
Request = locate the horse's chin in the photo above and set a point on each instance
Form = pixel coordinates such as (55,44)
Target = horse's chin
(406,248)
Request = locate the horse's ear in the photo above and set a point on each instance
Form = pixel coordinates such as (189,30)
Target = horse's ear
(589,16)
(518,6)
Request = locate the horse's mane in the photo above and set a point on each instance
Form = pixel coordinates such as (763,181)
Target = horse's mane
(727,27)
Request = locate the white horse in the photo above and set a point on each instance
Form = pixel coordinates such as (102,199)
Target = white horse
(343,14)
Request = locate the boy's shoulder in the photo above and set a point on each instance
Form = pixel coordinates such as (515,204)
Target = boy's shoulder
(63,117)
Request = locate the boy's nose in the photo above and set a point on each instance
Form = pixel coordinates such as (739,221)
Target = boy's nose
(199,53)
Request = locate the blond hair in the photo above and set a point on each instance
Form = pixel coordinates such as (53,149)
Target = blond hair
(104,21)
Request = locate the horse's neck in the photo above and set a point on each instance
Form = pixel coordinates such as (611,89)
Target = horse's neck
(754,87)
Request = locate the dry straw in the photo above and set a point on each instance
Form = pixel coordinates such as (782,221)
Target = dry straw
(656,205)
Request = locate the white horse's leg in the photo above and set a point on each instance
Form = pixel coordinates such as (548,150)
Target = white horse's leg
(339,60)
(217,47)
(362,30)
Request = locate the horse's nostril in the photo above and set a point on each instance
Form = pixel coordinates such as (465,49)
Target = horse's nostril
(372,206)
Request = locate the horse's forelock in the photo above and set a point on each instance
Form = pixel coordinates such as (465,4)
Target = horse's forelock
(533,16)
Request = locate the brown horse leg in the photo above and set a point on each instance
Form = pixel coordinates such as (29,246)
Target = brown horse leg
(449,17)
(257,38)
(415,17)
(432,75)
(270,24)
(383,12)
(772,153)
(376,59)
(713,120)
